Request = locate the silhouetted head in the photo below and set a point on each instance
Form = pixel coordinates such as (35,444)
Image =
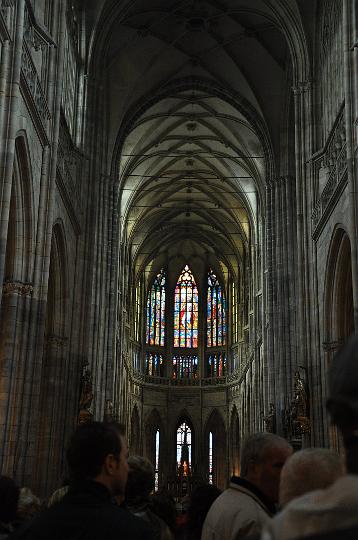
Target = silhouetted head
(342,400)
(9,498)
(98,451)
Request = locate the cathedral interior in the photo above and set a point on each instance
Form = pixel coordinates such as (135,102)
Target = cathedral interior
(178,244)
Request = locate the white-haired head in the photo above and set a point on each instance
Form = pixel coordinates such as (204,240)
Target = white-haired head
(308,470)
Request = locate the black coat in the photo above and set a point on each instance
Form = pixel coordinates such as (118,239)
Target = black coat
(86,512)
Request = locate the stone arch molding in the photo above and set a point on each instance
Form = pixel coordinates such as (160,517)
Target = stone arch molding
(234,441)
(338,296)
(20,237)
(153,422)
(135,442)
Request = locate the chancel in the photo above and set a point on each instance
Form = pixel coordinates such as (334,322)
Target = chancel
(178,227)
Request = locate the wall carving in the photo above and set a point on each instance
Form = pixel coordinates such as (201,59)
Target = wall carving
(330,172)
(33,84)
(16,287)
(55,341)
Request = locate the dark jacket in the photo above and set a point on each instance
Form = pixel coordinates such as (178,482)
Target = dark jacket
(86,512)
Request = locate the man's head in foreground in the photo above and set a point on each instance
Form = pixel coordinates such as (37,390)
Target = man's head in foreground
(342,402)
(98,451)
(308,470)
(262,458)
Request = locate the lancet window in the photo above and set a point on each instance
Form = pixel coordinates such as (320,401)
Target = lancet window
(186,310)
(184,449)
(155,334)
(211,474)
(216,312)
(156,467)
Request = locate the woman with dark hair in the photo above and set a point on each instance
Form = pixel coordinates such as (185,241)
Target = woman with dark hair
(9,497)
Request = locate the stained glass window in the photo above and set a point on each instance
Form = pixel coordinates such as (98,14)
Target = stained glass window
(235,326)
(154,364)
(156,311)
(186,310)
(184,449)
(216,365)
(185,366)
(156,468)
(210,458)
(216,312)
(138,295)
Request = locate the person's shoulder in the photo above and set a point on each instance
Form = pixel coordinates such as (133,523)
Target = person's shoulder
(123,521)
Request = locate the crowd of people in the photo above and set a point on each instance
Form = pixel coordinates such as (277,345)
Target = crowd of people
(279,495)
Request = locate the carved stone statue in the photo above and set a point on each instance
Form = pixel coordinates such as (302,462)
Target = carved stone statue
(86,397)
(295,418)
(300,395)
(109,411)
(270,419)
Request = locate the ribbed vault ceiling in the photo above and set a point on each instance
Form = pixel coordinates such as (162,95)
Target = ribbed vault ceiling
(191,162)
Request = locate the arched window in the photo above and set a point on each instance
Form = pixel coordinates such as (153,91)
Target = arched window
(156,468)
(137,317)
(210,458)
(216,313)
(234,311)
(156,311)
(186,310)
(184,449)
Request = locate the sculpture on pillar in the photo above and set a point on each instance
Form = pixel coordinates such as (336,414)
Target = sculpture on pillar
(301,401)
(109,411)
(295,417)
(85,415)
(270,419)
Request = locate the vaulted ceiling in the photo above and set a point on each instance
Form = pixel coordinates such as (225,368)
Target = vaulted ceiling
(196,95)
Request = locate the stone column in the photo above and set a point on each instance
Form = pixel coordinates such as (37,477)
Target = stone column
(10,105)
(350,51)
(33,364)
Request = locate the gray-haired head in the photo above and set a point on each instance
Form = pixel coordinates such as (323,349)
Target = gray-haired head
(308,470)
(140,478)
(255,448)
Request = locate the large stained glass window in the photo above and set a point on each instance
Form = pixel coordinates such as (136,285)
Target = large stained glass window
(234,310)
(184,449)
(156,311)
(185,366)
(216,365)
(138,298)
(216,312)
(154,364)
(186,310)
(211,458)
(156,468)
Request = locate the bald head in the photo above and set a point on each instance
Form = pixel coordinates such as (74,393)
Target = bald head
(308,470)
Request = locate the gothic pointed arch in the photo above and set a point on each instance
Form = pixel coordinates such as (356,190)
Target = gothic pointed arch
(339,319)
(154,423)
(17,290)
(19,245)
(234,442)
(55,368)
(338,302)
(135,443)
(186,310)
